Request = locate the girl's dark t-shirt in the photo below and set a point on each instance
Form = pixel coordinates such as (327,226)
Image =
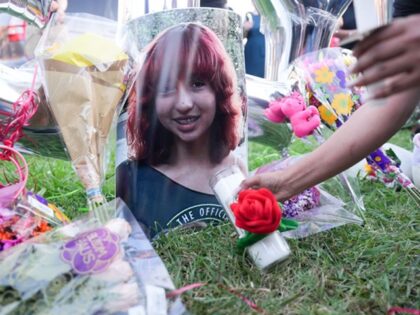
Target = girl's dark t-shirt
(159,203)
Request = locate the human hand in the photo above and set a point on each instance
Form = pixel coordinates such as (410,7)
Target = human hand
(273,181)
(391,54)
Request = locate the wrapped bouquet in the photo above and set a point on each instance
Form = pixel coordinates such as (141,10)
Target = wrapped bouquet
(326,74)
(87,267)
(85,78)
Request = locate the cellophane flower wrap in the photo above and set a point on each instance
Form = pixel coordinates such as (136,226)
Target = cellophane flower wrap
(85,75)
(320,78)
(41,135)
(87,267)
(326,73)
(23,215)
(27,217)
(317,209)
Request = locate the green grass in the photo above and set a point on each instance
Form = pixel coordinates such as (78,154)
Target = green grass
(348,270)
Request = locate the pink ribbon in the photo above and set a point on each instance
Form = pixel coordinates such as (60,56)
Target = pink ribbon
(9,192)
(23,110)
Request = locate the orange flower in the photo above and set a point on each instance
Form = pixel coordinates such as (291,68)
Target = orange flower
(327,116)
(4,235)
(42,228)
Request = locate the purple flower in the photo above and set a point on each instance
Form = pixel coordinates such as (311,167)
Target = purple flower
(342,77)
(308,199)
(379,158)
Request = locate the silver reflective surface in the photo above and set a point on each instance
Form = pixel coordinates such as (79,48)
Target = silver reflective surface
(33,11)
(295,27)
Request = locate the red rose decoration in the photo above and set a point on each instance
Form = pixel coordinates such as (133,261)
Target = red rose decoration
(257,211)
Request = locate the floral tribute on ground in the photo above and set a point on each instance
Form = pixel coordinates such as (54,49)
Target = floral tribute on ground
(259,214)
(23,215)
(89,266)
(326,75)
(318,86)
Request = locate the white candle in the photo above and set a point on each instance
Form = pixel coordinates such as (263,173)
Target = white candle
(226,189)
(271,249)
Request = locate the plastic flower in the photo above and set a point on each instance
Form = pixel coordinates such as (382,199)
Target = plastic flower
(342,103)
(274,112)
(380,159)
(327,116)
(369,170)
(324,75)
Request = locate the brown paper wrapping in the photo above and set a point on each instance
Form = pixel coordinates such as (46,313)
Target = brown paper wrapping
(84,101)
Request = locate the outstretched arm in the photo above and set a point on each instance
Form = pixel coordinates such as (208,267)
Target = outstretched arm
(367,129)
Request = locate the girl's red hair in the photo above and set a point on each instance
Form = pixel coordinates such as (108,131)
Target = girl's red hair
(181,52)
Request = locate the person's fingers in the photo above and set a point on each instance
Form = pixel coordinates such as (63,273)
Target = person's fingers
(396,85)
(381,53)
(381,70)
(251,182)
(380,35)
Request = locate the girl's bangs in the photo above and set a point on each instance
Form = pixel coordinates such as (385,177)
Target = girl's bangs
(188,59)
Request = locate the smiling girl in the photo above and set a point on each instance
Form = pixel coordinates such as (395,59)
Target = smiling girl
(184,121)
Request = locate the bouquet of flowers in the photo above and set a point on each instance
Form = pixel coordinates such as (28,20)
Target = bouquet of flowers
(87,267)
(384,165)
(23,215)
(326,73)
(85,74)
(301,107)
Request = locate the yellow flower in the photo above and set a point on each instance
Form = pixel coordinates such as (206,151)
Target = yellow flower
(369,169)
(342,103)
(324,75)
(327,116)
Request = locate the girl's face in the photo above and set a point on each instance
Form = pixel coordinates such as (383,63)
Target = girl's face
(187,109)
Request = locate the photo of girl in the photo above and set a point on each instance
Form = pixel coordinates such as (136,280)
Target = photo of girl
(185,118)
